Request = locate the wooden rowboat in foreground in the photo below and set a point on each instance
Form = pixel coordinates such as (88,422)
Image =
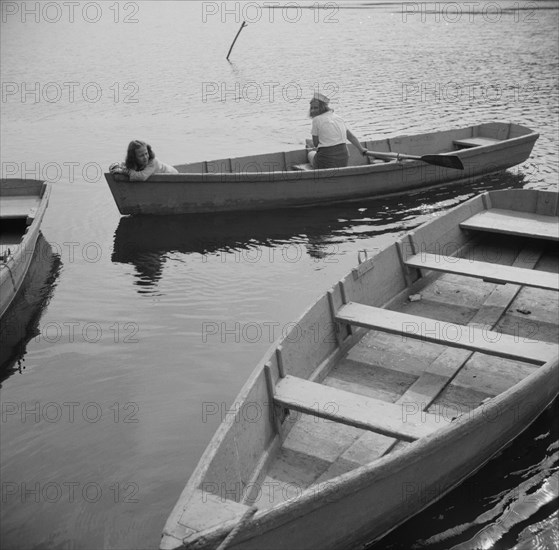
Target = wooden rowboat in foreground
(22,206)
(400,382)
(283,180)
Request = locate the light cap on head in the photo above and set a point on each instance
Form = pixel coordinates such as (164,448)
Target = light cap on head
(321,97)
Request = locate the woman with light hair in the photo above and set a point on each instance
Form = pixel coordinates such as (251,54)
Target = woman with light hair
(329,135)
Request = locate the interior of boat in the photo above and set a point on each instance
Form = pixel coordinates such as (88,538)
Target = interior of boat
(444,381)
(19,205)
(490,320)
(11,234)
(423,144)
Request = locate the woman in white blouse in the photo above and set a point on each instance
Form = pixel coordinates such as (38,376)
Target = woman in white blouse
(330,135)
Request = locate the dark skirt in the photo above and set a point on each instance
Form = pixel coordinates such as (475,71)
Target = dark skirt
(336,156)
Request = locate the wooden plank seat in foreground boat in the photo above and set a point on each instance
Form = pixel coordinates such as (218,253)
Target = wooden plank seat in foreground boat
(494,273)
(508,222)
(450,334)
(352,409)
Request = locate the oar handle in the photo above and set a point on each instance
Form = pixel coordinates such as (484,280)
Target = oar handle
(397,156)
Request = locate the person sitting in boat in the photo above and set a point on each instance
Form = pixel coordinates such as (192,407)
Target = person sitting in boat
(141,163)
(329,135)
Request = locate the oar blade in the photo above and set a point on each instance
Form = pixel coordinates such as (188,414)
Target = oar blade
(448,161)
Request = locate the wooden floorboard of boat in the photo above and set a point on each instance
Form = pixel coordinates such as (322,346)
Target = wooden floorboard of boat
(371,381)
(532,304)
(204,505)
(388,351)
(531,316)
(325,438)
(446,366)
(493,374)
(311,447)
(298,468)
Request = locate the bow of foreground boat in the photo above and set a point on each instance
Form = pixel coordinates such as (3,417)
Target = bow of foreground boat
(399,383)
(286,180)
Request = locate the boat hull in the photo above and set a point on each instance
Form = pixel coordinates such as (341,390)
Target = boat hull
(248,185)
(18,257)
(368,486)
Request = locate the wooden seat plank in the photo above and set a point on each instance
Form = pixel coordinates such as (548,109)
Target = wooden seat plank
(525,224)
(494,273)
(400,421)
(12,207)
(475,142)
(448,334)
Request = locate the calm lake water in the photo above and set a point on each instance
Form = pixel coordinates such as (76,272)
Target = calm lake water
(126,328)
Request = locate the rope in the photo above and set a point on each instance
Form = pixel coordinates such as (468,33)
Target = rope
(233,533)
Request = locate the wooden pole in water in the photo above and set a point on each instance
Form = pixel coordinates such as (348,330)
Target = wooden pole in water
(235,39)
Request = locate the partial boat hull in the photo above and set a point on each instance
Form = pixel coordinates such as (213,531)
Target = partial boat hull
(22,206)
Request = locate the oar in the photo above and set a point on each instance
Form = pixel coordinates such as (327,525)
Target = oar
(448,161)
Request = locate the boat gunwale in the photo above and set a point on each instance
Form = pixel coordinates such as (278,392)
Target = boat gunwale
(288,175)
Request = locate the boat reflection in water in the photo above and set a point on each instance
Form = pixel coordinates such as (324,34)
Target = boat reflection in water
(146,242)
(20,322)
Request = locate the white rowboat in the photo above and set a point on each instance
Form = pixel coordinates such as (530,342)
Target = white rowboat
(374,406)
(284,180)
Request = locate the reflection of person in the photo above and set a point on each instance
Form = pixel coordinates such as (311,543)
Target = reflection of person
(329,135)
(141,163)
